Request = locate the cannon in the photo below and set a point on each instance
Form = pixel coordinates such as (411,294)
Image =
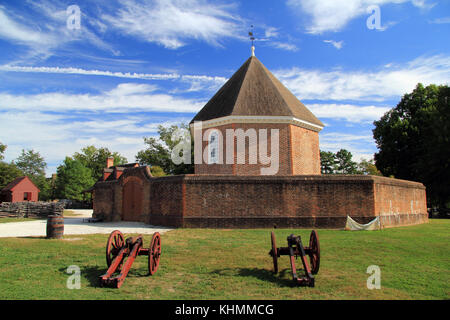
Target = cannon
(120,255)
(296,249)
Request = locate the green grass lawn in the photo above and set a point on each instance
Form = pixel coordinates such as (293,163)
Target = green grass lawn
(234,264)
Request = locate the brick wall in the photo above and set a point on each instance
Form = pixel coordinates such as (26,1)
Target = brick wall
(298,151)
(167,198)
(400,202)
(103,200)
(232,201)
(305,151)
(215,168)
(287,201)
(299,201)
(108,195)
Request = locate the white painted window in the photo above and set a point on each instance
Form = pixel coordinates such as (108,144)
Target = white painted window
(213,147)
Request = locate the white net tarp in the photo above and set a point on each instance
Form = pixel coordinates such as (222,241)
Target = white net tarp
(372,225)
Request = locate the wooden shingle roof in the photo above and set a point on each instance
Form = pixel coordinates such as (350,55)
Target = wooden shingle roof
(12,184)
(254,91)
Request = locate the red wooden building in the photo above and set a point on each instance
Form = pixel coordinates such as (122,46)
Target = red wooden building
(20,189)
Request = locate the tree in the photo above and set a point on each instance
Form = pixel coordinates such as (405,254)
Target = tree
(337,163)
(157,171)
(368,167)
(8,172)
(345,164)
(158,151)
(2,150)
(95,159)
(45,187)
(31,163)
(72,179)
(327,162)
(413,141)
(341,163)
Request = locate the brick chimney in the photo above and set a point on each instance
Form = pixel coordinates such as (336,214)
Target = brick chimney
(109,162)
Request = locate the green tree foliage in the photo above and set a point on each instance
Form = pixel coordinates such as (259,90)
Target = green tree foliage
(368,167)
(95,159)
(73,177)
(338,163)
(2,150)
(29,163)
(44,184)
(345,164)
(158,151)
(33,165)
(8,172)
(328,162)
(157,171)
(413,141)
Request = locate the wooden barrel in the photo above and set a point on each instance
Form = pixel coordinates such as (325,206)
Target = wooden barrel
(55,227)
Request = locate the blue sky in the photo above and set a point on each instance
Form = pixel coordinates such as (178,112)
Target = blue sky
(132,65)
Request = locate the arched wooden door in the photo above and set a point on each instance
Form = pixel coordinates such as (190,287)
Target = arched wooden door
(132,200)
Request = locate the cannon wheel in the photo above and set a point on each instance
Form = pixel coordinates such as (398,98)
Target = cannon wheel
(314,252)
(274,253)
(154,253)
(113,245)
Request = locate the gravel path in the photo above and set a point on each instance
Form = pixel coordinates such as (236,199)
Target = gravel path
(76,225)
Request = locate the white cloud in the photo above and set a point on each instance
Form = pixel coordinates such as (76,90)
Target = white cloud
(47,31)
(72,70)
(348,112)
(44,133)
(423,4)
(19,32)
(200,83)
(127,89)
(360,145)
(57,136)
(171,22)
(284,46)
(376,85)
(56,16)
(275,38)
(337,44)
(334,15)
(271,32)
(124,97)
(443,20)
(196,82)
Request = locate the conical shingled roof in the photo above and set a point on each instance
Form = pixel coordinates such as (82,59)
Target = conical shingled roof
(254,91)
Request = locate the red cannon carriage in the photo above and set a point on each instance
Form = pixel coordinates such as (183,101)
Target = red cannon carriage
(118,249)
(295,249)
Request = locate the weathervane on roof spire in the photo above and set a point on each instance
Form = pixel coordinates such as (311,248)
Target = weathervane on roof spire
(250,33)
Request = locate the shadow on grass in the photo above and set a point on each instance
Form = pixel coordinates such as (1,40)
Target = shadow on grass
(93,273)
(261,274)
(36,237)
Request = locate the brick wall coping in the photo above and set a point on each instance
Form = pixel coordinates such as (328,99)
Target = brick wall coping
(328,179)
(398,182)
(221,178)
